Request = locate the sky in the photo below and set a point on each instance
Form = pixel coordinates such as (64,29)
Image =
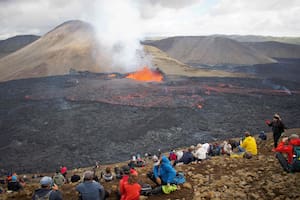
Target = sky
(155,17)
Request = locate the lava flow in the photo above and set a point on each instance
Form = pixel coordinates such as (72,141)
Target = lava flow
(146,75)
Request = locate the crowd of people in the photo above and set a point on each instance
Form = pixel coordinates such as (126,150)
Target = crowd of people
(164,175)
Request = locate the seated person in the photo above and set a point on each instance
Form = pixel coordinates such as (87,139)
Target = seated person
(48,190)
(75,177)
(248,144)
(186,158)
(163,173)
(286,146)
(201,153)
(14,184)
(108,176)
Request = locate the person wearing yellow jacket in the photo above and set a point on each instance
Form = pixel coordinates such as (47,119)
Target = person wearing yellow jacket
(249,144)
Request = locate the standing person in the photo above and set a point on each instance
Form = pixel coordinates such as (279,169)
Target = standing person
(131,188)
(47,191)
(277,128)
(90,189)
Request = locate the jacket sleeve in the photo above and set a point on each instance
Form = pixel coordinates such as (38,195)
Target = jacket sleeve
(295,142)
(283,148)
(155,171)
(102,192)
(171,173)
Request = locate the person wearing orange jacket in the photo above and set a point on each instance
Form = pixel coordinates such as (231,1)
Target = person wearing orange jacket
(286,146)
(131,188)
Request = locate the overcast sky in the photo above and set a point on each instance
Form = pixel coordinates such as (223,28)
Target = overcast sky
(155,17)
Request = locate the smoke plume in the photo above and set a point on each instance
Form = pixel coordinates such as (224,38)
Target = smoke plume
(120,30)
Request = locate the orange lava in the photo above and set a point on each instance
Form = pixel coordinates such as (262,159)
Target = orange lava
(146,75)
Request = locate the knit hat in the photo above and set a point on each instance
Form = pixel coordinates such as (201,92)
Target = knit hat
(46,180)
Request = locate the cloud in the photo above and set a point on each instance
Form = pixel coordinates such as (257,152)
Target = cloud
(159,17)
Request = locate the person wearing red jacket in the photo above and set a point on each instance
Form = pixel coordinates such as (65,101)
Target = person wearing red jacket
(286,146)
(123,181)
(131,187)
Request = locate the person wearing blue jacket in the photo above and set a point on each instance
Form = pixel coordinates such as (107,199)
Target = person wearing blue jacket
(164,173)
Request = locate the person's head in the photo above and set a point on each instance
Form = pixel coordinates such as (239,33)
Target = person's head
(247,134)
(293,136)
(276,116)
(88,176)
(133,176)
(247,155)
(126,169)
(199,146)
(46,182)
(108,170)
(191,148)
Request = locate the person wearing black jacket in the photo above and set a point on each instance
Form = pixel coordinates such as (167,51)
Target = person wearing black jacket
(48,190)
(277,128)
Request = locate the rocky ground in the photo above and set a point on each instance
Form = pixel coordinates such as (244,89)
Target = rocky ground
(221,177)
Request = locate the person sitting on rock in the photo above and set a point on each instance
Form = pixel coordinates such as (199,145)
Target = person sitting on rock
(248,144)
(201,153)
(64,171)
(90,189)
(226,148)
(163,173)
(58,178)
(286,146)
(131,188)
(75,177)
(108,176)
(262,135)
(14,184)
(48,190)
(187,157)
(126,172)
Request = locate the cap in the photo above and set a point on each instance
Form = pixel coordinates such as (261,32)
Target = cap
(46,180)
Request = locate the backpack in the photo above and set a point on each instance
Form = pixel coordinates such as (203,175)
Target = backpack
(179,178)
(45,197)
(146,189)
(296,159)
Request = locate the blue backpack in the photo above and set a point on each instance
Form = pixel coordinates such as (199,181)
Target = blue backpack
(296,159)
(179,178)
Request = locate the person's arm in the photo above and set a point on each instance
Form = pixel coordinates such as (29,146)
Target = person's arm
(102,192)
(283,148)
(171,173)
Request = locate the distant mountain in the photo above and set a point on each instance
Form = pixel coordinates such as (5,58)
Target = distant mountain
(72,45)
(15,43)
(210,50)
(259,38)
(276,49)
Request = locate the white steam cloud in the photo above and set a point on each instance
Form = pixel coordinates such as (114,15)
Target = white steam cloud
(120,30)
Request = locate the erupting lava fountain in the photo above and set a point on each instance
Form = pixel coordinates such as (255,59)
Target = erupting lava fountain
(146,75)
